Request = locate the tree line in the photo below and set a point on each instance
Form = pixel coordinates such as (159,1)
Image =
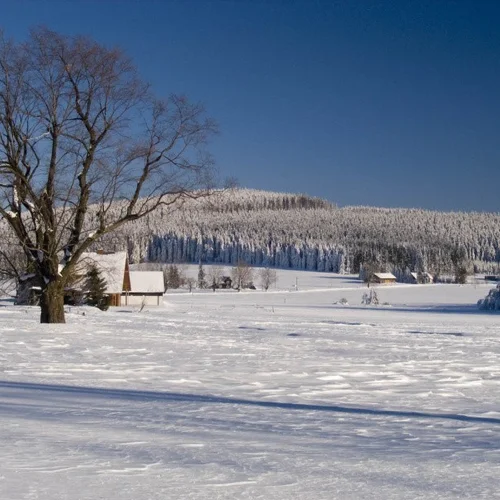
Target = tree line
(311,235)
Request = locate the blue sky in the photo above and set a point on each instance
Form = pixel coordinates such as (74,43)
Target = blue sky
(363,102)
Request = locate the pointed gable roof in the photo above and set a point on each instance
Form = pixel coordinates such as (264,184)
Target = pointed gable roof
(112,267)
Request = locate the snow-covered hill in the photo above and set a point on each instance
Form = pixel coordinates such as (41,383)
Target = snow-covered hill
(292,231)
(295,231)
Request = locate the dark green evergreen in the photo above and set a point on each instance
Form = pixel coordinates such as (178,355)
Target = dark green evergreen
(96,290)
(172,277)
(201,277)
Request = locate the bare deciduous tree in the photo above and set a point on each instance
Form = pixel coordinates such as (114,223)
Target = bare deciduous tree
(268,277)
(84,148)
(190,283)
(241,275)
(367,273)
(214,276)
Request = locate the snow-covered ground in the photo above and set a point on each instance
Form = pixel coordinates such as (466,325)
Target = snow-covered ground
(272,395)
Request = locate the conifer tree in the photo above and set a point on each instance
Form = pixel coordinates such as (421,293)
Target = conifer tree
(96,289)
(201,277)
(172,277)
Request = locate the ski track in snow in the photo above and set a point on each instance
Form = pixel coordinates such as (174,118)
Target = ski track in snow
(273,396)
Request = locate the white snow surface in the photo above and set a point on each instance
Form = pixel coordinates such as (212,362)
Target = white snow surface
(255,395)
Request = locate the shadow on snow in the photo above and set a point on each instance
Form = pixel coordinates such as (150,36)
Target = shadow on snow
(137,395)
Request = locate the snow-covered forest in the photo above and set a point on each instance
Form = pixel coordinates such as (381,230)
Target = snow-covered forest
(294,231)
(300,232)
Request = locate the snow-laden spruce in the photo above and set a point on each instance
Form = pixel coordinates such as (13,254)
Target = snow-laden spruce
(492,301)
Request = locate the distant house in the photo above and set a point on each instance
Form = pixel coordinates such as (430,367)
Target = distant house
(225,282)
(422,278)
(384,278)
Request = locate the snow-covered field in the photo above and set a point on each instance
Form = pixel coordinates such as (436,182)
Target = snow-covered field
(272,395)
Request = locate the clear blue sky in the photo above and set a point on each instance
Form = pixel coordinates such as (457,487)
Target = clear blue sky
(362,102)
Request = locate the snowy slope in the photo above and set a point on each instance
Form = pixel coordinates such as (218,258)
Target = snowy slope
(277,395)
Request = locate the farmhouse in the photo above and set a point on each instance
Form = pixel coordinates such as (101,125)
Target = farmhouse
(113,268)
(384,278)
(124,287)
(225,282)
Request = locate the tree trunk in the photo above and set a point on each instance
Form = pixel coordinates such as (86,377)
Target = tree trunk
(52,303)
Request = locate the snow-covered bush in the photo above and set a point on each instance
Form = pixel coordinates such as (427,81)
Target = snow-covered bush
(492,301)
(343,302)
(370,299)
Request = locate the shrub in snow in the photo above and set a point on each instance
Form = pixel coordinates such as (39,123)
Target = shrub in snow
(343,302)
(492,301)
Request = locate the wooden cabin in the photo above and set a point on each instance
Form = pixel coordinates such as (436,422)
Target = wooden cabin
(384,278)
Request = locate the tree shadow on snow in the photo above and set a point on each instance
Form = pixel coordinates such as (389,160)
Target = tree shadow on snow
(438,309)
(146,396)
(452,334)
